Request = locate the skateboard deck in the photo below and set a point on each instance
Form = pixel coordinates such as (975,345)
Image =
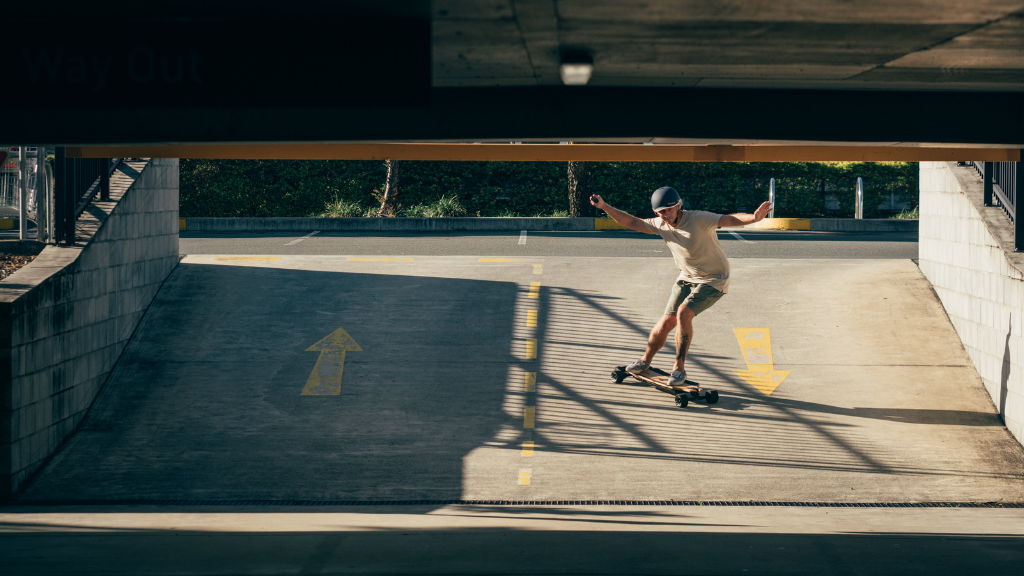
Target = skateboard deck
(689,392)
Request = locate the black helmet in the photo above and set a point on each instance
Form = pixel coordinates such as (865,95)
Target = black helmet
(664,197)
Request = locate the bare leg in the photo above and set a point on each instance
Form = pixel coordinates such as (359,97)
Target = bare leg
(658,337)
(684,336)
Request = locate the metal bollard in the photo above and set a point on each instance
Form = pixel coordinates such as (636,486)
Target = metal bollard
(859,211)
(771,197)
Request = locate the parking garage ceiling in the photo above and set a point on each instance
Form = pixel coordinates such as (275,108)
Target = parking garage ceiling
(806,44)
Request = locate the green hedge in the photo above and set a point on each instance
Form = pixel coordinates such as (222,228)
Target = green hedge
(256,188)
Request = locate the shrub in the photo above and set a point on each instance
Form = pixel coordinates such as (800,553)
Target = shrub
(297,188)
(909,214)
(443,207)
(341,208)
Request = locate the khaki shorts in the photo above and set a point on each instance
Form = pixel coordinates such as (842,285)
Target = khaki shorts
(696,297)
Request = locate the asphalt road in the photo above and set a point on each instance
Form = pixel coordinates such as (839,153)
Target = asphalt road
(741,244)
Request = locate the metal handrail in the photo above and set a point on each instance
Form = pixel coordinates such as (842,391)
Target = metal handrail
(101,184)
(999,180)
(1000,184)
(77,182)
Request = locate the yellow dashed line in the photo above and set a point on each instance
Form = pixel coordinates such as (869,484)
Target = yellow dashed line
(247,258)
(530,379)
(531,348)
(500,260)
(529,413)
(380,259)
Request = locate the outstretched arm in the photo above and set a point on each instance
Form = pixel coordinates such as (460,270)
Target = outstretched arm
(627,220)
(728,220)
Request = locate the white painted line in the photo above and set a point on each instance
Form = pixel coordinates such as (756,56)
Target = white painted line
(303,238)
(741,238)
(522,237)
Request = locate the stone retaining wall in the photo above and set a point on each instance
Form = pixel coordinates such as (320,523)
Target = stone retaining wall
(66,317)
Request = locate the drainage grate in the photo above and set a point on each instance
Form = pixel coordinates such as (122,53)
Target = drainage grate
(314,503)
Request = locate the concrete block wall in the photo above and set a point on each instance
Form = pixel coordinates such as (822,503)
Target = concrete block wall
(66,317)
(966,251)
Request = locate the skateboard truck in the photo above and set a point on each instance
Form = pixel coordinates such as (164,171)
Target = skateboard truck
(691,392)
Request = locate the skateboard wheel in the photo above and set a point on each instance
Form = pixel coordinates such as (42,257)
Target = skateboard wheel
(712,397)
(618,376)
(681,401)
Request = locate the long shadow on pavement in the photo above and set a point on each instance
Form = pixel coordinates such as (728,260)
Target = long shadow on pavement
(205,402)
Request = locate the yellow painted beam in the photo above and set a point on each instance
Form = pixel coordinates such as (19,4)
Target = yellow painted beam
(552,152)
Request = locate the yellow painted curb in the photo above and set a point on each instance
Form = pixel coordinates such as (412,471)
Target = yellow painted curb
(607,224)
(782,224)
(181,224)
(6,224)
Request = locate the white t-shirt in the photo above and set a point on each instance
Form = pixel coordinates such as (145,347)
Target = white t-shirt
(695,247)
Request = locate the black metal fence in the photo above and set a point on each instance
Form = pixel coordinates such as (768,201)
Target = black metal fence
(77,181)
(1000,185)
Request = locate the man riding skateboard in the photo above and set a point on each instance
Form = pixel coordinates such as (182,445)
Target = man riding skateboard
(703,268)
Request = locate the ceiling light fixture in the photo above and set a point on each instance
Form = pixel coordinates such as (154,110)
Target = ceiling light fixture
(577,67)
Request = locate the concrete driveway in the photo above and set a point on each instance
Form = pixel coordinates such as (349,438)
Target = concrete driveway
(481,378)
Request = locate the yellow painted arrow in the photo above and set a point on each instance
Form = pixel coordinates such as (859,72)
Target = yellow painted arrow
(325,380)
(756,344)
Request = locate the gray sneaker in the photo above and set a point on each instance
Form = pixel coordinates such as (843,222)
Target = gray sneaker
(677,378)
(637,366)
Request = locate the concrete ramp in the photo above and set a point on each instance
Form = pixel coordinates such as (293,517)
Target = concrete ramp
(440,378)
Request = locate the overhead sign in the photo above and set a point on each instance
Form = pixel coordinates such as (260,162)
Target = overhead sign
(277,61)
